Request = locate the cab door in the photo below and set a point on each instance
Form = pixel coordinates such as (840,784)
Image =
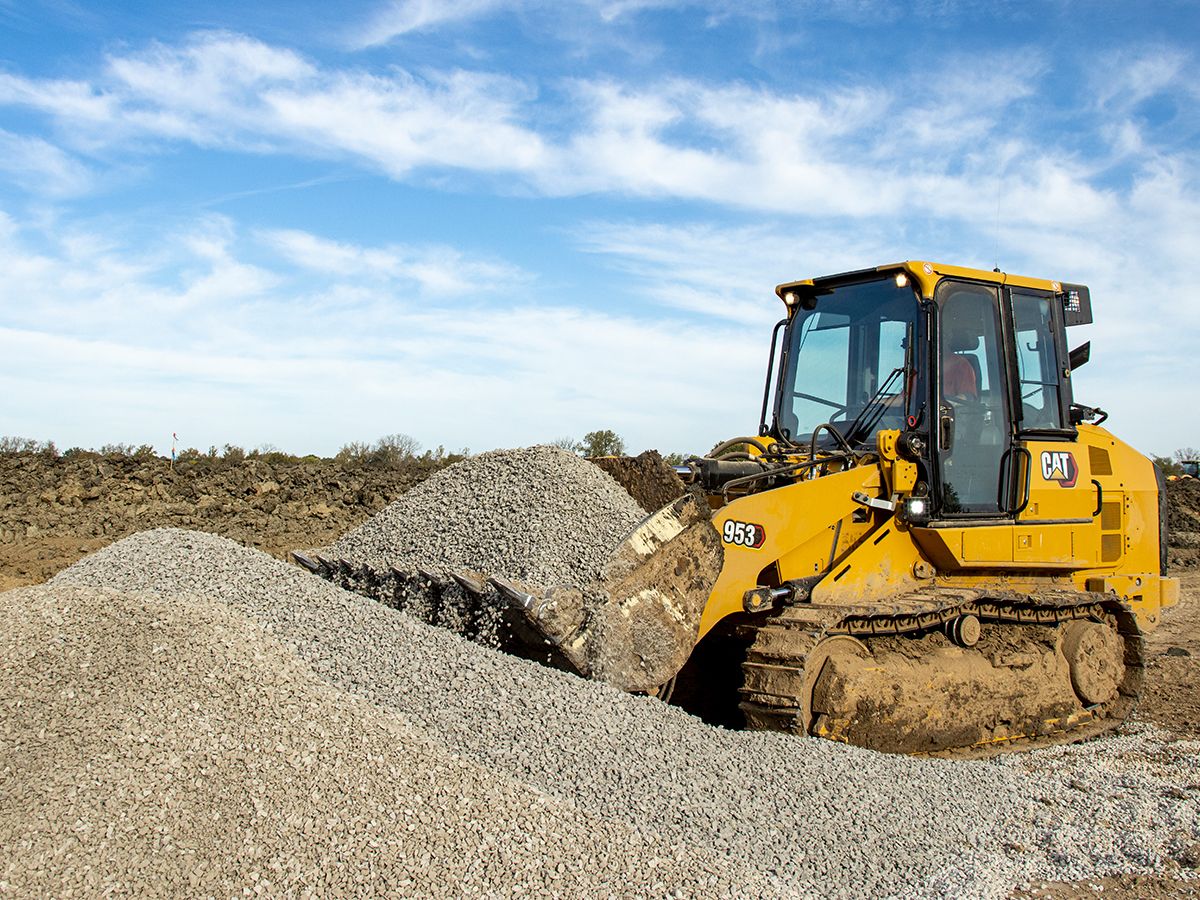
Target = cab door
(1051,489)
(974,424)
(1014,491)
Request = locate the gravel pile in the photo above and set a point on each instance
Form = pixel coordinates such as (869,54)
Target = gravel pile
(172,747)
(804,817)
(541,515)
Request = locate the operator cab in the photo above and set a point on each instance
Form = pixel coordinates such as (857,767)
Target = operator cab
(972,363)
(848,369)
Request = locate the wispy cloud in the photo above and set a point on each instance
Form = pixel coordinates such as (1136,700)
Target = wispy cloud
(832,152)
(844,151)
(230,91)
(188,335)
(430,268)
(398,18)
(408,16)
(42,168)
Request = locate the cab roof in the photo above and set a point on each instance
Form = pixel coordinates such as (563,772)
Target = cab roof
(926,275)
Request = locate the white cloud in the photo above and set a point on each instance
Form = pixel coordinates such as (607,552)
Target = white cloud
(852,151)
(398,18)
(230,91)
(433,269)
(188,336)
(406,16)
(42,168)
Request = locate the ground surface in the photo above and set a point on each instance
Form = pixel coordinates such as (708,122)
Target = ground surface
(52,512)
(1171,700)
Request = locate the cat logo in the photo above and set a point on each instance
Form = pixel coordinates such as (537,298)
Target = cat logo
(1059,465)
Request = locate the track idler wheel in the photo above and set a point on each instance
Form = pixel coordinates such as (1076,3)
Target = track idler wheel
(1095,655)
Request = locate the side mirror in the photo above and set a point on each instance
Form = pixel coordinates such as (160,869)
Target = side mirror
(1080,355)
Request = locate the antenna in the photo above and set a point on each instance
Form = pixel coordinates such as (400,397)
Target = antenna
(996,238)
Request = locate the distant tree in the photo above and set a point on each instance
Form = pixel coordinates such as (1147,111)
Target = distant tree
(401,446)
(1185,454)
(10,444)
(567,443)
(675,459)
(352,452)
(603,443)
(233,454)
(1167,465)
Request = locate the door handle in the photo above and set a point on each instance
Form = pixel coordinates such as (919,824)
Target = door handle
(947,428)
(1099,497)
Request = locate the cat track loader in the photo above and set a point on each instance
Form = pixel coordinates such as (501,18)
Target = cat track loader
(928,547)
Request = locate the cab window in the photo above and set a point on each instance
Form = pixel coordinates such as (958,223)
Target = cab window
(1038,365)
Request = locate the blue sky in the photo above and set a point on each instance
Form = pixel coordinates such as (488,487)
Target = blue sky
(496,222)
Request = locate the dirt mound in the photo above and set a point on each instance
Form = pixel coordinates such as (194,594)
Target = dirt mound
(1183,523)
(647,478)
(54,509)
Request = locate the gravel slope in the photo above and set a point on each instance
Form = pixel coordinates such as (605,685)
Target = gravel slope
(812,818)
(541,515)
(147,742)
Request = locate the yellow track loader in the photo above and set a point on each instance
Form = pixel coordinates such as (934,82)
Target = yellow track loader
(929,546)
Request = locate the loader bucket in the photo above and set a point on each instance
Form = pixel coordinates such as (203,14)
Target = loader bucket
(636,625)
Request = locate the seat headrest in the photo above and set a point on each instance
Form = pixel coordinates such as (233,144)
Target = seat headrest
(959,340)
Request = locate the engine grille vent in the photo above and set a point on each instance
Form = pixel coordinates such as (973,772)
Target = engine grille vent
(1110,547)
(1110,516)
(1100,463)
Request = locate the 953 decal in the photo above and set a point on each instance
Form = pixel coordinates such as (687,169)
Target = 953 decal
(744,534)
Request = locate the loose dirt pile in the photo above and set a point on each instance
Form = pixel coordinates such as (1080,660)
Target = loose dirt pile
(54,509)
(540,515)
(646,477)
(1183,523)
(804,817)
(170,746)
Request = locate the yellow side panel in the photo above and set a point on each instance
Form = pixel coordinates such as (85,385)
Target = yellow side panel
(987,545)
(1060,482)
(1007,546)
(1126,531)
(881,566)
(1044,546)
(793,516)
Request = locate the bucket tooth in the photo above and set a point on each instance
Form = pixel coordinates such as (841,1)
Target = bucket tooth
(512,593)
(327,565)
(430,577)
(307,561)
(476,587)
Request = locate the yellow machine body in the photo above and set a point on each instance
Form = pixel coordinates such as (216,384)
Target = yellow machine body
(1101,534)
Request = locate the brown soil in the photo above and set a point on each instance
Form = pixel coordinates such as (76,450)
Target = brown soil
(1183,523)
(54,510)
(649,480)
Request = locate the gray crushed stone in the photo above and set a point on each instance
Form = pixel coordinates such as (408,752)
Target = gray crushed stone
(171,747)
(810,818)
(541,515)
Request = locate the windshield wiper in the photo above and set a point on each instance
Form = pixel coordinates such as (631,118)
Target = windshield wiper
(864,423)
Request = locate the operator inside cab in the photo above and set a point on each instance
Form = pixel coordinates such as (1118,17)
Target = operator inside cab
(960,381)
